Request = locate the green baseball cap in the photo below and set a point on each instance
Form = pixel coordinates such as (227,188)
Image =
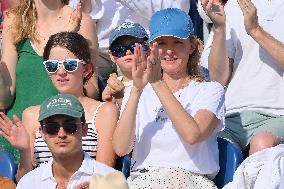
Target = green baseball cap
(61,104)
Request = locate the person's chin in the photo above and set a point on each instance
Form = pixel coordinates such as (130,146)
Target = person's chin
(64,89)
(126,67)
(62,152)
(128,61)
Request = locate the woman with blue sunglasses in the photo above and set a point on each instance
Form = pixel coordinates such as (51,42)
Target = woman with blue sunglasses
(67,60)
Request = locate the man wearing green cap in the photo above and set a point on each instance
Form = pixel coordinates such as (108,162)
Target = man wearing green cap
(63,125)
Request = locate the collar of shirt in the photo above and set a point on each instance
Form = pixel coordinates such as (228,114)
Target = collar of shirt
(87,168)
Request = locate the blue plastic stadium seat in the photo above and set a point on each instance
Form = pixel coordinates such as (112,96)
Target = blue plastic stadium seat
(230,157)
(123,165)
(8,165)
(101,85)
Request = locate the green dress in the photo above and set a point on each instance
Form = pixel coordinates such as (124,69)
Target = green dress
(33,85)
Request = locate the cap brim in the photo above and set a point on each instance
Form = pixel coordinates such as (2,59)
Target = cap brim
(120,35)
(172,33)
(59,111)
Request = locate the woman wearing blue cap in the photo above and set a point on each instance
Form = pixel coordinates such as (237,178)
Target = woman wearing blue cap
(171,116)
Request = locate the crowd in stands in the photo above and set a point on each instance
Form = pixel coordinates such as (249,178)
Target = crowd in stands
(84,82)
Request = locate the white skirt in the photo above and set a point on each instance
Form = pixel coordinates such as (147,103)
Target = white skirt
(169,178)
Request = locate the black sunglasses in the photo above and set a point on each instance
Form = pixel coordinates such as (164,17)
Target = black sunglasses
(53,128)
(120,50)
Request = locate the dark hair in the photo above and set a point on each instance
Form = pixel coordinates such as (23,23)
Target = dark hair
(72,41)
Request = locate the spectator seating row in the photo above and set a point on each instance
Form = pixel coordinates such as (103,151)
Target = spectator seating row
(8,165)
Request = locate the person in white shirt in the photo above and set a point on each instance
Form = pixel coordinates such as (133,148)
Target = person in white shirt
(63,125)
(170,117)
(253,73)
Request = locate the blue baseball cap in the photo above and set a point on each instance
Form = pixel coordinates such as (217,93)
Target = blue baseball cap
(170,22)
(128,29)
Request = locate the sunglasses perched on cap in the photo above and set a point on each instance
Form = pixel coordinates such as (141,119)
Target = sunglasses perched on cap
(52,128)
(70,65)
(120,50)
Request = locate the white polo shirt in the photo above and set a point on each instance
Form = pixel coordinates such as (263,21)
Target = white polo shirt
(257,82)
(42,177)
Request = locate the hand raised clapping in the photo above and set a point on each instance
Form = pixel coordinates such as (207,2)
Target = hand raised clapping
(215,11)
(146,69)
(250,16)
(139,68)
(154,64)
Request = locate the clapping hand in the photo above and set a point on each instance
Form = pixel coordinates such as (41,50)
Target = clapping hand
(250,16)
(139,72)
(154,64)
(16,134)
(215,11)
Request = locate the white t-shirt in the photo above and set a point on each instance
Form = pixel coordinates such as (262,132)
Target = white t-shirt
(257,82)
(111,13)
(157,143)
(127,84)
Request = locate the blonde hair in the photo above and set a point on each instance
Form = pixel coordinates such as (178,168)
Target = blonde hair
(193,68)
(25,18)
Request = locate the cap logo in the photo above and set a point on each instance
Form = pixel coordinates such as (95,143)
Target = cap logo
(126,25)
(59,102)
